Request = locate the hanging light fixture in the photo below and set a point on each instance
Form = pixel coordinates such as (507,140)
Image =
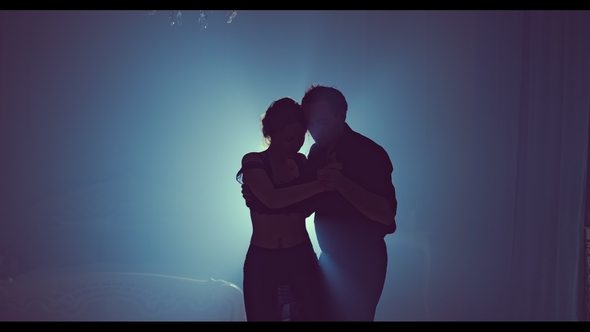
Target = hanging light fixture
(175,17)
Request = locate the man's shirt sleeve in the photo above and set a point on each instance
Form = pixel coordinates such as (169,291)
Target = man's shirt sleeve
(379,180)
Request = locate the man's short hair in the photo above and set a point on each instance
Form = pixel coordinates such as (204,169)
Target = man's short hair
(333,96)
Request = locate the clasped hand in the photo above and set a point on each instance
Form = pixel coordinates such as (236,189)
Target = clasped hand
(330,176)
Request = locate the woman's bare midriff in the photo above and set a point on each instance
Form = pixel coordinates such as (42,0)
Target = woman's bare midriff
(278,231)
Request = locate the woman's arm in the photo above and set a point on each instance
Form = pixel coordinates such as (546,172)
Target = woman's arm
(262,187)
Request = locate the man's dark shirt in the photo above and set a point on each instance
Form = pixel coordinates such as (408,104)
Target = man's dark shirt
(340,227)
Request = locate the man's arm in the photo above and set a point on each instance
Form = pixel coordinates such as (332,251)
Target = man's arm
(374,206)
(379,202)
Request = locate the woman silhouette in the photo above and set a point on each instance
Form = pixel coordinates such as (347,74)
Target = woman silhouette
(280,251)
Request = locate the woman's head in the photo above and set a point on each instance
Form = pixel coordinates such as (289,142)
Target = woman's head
(284,126)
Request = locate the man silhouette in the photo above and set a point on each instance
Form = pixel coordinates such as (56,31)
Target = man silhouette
(353,218)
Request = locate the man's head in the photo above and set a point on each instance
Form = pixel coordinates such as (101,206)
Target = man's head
(325,111)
